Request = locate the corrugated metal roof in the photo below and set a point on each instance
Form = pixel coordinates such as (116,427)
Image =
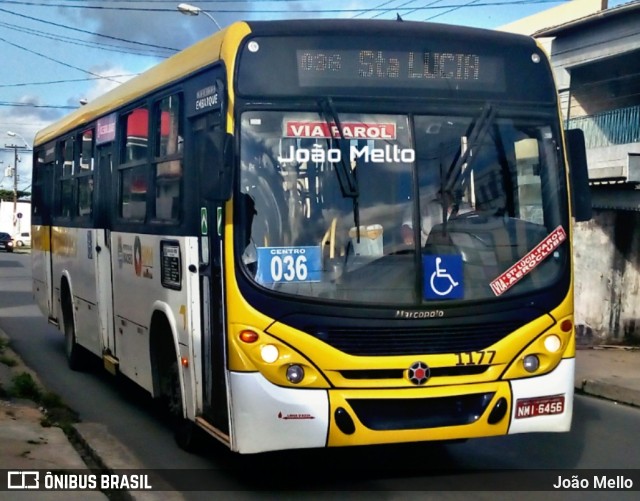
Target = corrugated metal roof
(582,22)
(615,198)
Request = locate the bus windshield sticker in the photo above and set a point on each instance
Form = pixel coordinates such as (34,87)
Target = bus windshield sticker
(532,259)
(289,264)
(443,276)
(350,130)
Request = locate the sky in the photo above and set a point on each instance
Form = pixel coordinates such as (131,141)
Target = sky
(55,53)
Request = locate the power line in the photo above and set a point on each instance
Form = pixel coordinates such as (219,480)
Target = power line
(377,6)
(74,41)
(469,4)
(31,105)
(280,11)
(51,23)
(428,5)
(69,80)
(57,60)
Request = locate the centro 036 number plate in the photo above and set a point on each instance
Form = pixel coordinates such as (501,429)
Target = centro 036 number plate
(539,406)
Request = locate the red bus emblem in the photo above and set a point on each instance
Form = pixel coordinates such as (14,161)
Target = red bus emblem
(419,373)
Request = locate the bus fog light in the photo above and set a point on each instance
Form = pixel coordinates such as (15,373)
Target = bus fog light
(552,343)
(531,363)
(269,353)
(295,374)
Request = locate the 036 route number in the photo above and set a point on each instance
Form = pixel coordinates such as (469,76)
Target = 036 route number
(289,268)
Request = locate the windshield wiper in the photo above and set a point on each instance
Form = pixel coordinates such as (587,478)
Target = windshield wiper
(346,176)
(468,156)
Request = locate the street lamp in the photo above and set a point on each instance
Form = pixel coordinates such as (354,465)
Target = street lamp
(192,10)
(15,169)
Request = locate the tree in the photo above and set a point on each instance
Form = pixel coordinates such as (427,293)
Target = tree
(7,195)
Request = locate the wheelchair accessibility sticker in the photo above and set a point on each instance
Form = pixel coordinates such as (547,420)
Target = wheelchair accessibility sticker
(443,277)
(289,264)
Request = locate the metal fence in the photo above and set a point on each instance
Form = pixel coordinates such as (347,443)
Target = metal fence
(621,126)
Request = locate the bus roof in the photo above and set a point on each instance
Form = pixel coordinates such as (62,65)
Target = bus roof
(223,45)
(182,64)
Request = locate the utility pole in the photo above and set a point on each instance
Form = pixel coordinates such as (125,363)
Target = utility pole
(15,148)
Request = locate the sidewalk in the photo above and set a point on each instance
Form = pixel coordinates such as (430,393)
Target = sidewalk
(611,372)
(29,442)
(607,372)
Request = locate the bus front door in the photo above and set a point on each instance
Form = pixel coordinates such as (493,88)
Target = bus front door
(103,256)
(206,132)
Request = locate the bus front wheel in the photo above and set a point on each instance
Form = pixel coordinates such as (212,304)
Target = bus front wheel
(76,357)
(185,432)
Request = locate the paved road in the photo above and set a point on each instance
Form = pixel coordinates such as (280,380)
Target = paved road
(604,434)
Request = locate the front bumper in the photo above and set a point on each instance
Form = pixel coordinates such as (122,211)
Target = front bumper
(267,417)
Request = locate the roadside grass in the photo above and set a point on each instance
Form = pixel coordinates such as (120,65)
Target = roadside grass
(23,385)
(56,412)
(4,358)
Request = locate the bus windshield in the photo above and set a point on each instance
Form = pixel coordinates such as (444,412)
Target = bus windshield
(441,207)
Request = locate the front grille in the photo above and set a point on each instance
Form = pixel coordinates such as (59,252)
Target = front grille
(418,413)
(418,341)
(458,370)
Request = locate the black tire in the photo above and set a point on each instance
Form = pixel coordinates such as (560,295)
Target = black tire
(76,356)
(186,434)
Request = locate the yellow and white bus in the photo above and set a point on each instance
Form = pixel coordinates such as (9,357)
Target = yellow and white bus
(321,233)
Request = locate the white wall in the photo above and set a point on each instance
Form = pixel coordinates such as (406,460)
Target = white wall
(11,224)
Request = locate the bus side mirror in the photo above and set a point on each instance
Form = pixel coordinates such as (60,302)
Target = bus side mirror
(579,175)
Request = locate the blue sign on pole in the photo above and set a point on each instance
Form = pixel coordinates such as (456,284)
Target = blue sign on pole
(443,276)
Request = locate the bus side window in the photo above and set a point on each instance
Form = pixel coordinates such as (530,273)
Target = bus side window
(85,175)
(42,180)
(133,172)
(64,176)
(208,145)
(169,137)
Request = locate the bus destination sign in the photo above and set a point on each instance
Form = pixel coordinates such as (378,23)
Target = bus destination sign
(398,68)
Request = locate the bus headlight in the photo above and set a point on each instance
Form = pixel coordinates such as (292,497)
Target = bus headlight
(269,353)
(531,363)
(254,350)
(552,343)
(295,373)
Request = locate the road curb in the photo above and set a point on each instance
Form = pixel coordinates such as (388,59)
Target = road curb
(610,390)
(112,456)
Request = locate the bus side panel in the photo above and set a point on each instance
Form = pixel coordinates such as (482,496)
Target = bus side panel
(73,254)
(85,292)
(41,268)
(260,422)
(147,270)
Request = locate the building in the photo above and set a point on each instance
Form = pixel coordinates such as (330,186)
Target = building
(18,223)
(595,54)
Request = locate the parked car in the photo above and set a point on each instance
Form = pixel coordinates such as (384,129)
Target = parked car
(22,239)
(6,242)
